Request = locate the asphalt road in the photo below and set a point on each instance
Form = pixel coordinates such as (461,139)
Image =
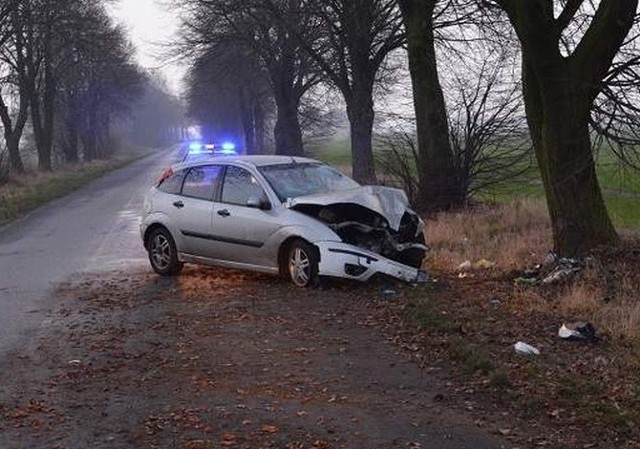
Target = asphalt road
(94,229)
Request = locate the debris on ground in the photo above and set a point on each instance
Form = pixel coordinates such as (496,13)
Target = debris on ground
(561,269)
(388,293)
(526,349)
(577,331)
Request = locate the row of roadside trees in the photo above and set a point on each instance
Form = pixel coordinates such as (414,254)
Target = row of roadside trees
(67,79)
(578,82)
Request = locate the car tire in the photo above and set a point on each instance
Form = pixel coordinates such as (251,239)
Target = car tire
(302,264)
(163,254)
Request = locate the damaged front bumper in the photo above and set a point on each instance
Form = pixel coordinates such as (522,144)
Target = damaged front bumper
(351,262)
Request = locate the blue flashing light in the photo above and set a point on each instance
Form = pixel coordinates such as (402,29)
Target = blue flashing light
(195,147)
(228,149)
(229,146)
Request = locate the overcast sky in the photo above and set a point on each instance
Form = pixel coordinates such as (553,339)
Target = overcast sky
(150,25)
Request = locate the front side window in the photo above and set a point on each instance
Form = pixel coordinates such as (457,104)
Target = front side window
(239,186)
(201,182)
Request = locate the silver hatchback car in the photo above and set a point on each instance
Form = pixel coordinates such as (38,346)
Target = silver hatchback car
(296,217)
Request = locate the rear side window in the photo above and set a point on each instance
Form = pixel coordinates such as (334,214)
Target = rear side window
(202,182)
(172,183)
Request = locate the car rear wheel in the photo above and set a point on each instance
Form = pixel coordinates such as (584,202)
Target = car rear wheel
(163,253)
(302,263)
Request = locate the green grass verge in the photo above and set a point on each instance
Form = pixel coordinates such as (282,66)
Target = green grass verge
(17,202)
(620,184)
(334,151)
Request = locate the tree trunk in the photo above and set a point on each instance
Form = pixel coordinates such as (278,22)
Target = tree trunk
(259,120)
(361,116)
(89,139)
(287,132)
(436,190)
(247,120)
(13,133)
(558,122)
(13,146)
(71,153)
(71,148)
(44,154)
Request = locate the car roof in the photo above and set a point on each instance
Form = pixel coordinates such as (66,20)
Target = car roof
(255,160)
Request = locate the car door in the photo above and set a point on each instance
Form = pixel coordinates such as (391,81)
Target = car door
(195,208)
(242,230)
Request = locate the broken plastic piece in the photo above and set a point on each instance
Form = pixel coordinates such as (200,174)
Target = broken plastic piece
(388,293)
(577,331)
(526,349)
(559,274)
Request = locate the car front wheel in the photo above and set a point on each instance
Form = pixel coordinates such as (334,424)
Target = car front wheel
(302,263)
(163,254)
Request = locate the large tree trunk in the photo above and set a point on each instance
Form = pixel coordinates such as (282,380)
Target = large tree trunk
(13,147)
(437,190)
(558,121)
(361,116)
(287,132)
(559,93)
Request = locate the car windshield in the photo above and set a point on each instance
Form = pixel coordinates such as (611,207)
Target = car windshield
(294,180)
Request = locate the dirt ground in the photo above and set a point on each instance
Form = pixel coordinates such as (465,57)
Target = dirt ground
(223,359)
(217,359)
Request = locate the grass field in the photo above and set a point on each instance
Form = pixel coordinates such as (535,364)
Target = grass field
(620,184)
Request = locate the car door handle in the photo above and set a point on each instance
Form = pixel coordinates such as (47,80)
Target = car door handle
(178,204)
(224,213)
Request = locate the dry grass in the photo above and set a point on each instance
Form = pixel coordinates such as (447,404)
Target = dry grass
(516,236)
(512,235)
(23,193)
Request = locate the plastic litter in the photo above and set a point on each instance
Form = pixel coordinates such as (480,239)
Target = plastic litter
(388,293)
(526,349)
(465,265)
(559,274)
(495,301)
(577,331)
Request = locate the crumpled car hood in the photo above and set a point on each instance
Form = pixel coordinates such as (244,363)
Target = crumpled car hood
(389,202)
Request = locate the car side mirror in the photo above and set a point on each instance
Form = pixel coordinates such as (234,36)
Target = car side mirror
(258,203)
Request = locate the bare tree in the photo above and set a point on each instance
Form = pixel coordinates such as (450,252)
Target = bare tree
(13,80)
(254,26)
(351,42)
(488,137)
(561,85)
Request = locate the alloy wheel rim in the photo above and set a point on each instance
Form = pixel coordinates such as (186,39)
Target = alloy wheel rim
(161,252)
(300,267)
